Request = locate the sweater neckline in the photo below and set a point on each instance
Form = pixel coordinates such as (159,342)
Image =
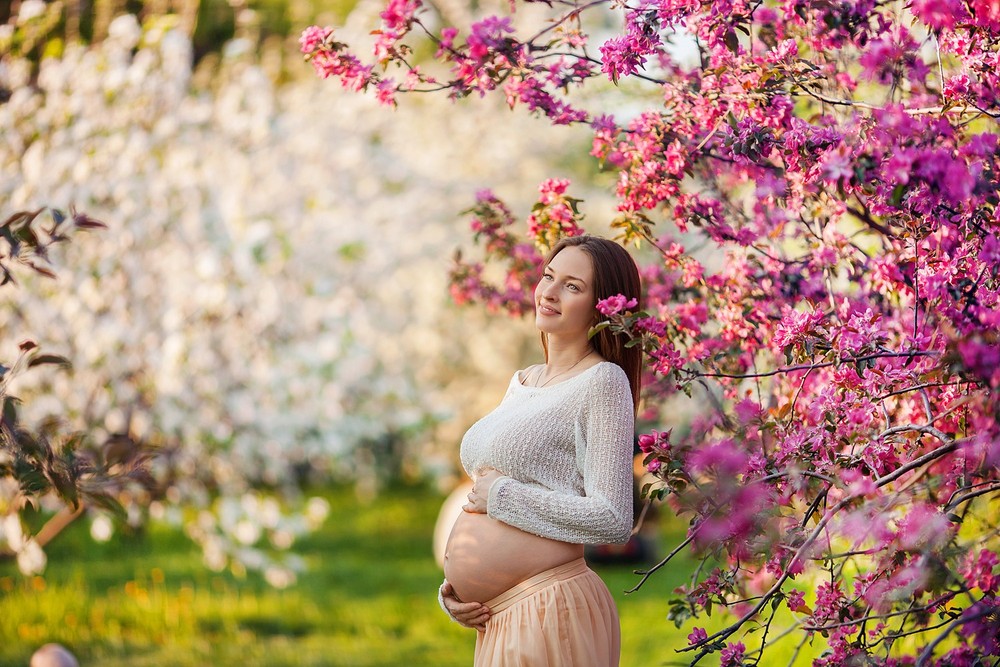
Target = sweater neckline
(586,371)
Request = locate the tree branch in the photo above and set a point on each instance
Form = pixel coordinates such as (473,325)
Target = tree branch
(823,364)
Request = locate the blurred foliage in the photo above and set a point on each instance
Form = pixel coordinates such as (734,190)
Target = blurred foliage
(210,23)
(41,460)
(145,599)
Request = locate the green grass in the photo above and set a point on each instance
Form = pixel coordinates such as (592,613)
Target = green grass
(367,599)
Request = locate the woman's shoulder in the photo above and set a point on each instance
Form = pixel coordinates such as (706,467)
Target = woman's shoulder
(610,372)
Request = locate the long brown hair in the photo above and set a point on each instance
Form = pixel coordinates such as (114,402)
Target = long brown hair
(615,272)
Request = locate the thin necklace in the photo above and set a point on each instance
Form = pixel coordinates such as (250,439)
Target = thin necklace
(567,370)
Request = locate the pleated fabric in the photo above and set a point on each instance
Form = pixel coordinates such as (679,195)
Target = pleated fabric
(563,617)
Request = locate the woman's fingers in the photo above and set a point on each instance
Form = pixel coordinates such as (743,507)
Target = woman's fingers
(475,620)
(467,610)
(469,614)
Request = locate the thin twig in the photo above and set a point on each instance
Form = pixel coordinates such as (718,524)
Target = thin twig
(961,620)
(823,364)
(646,573)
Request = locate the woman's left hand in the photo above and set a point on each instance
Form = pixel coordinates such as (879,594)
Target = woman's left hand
(481,491)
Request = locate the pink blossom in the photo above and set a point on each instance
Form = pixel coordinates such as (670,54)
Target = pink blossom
(989,251)
(938,14)
(397,15)
(313,37)
(352,73)
(651,325)
(386,92)
(982,359)
(858,484)
(697,636)
(796,600)
(830,602)
(447,39)
(488,36)
(691,316)
(862,331)
(956,87)
(614,305)
(892,56)
(794,326)
(980,570)
(986,13)
(838,165)
(619,58)
(732,655)
(747,410)
(982,625)
(923,527)
(723,457)
(552,190)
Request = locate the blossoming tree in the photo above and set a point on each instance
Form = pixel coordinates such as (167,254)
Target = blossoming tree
(842,161)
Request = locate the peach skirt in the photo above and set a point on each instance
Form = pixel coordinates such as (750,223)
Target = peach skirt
(560,617)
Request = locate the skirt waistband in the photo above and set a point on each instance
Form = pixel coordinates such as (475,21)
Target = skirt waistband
(537,582)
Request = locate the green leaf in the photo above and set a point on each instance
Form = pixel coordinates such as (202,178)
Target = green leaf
(9,412)
(31,480)
(65,487)
(27,235)
(600,326)
(109,504)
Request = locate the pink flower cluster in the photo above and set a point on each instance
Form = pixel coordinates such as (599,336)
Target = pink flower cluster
(614,305)
(554,216)
(981,571)
(397,18)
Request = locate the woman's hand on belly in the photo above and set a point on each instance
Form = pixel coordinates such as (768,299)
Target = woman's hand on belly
(469,614)
(480,493)
(485,557)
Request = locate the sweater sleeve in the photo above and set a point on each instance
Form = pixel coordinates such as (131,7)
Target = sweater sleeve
(603,513)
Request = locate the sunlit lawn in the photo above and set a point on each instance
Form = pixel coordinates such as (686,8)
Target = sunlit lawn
(368,599)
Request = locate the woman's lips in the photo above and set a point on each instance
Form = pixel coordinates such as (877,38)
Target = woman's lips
(547,310)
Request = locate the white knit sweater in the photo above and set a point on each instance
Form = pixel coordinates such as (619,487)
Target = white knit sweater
(565,451)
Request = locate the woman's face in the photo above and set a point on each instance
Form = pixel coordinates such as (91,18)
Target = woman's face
(564,297)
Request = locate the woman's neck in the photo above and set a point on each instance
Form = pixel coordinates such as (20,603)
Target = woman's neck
(564,353)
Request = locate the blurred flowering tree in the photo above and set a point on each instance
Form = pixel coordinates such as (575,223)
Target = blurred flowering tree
(842,160)
(239,315)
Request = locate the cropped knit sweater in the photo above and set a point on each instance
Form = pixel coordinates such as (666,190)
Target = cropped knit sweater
(565,453)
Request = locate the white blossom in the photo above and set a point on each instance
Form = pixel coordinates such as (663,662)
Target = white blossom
(270,294)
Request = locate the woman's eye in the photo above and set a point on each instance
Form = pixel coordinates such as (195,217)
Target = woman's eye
(573,287)
(547,276)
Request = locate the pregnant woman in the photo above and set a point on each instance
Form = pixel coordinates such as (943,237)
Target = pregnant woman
(552,471)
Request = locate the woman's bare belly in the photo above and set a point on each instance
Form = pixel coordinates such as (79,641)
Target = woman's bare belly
(485,557)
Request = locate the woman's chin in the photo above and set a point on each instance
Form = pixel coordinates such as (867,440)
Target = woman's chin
(545,324)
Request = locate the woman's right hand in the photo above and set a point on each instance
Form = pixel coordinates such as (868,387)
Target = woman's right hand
(468,614)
